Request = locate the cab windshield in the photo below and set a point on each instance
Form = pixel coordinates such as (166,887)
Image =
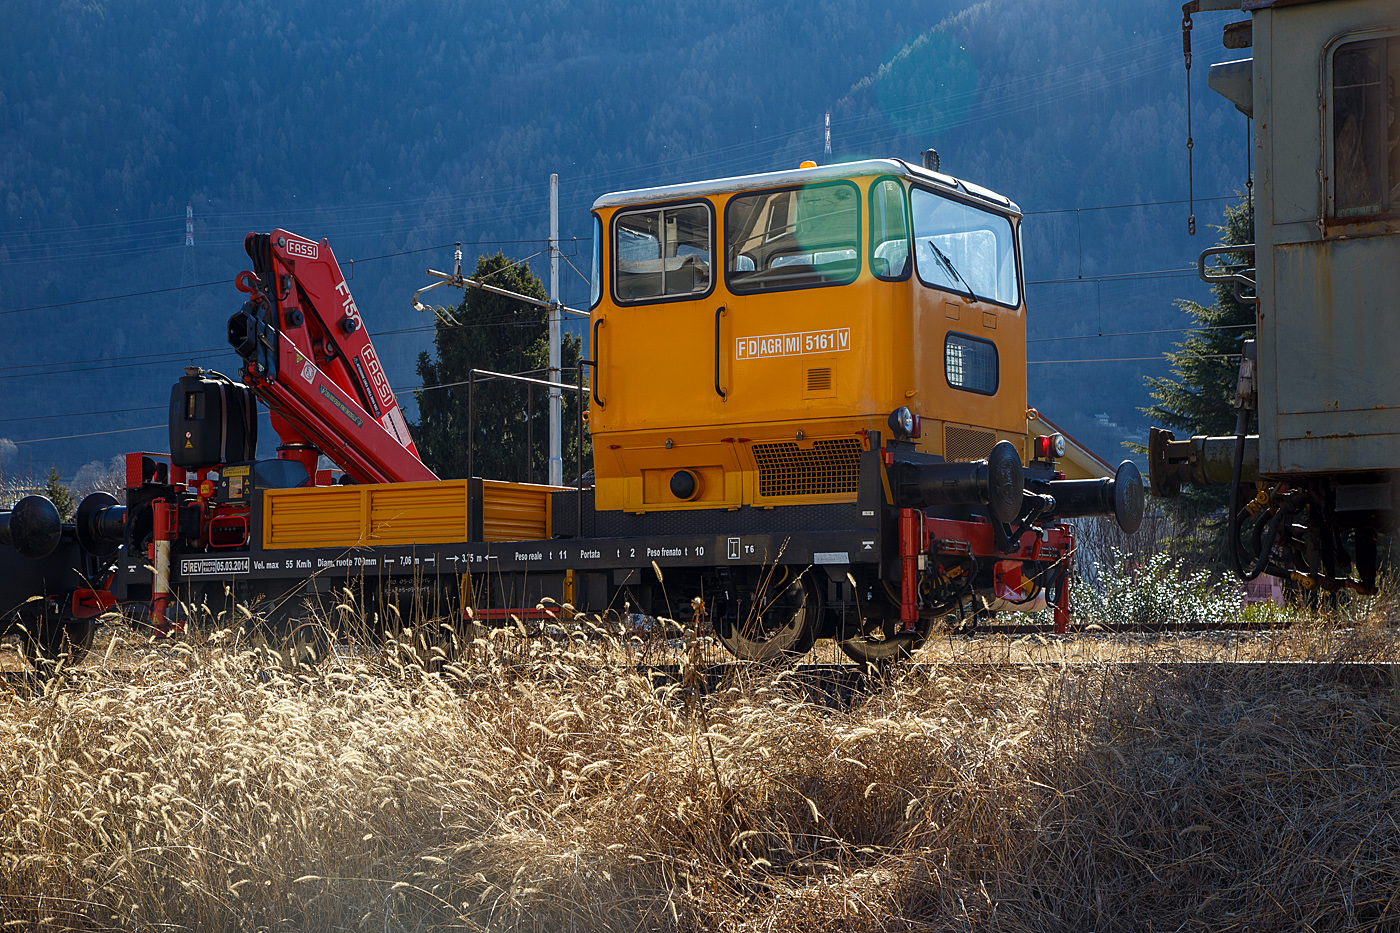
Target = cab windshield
(964,249)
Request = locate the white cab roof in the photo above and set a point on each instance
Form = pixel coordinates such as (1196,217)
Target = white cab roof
(803,176)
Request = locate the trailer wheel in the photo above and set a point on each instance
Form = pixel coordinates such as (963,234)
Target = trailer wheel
(297,644)
(434,644)
(205,608)
(884,640)
(425,625)
(53,640)
(286,630)
(770,619)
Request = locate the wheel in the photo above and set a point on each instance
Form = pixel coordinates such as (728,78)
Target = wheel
(771,619)
(53,640)
(878,637)
(434,644)
(286,631)
(884,640)
(217,607)
(200,609)
(423,623)
(289,643)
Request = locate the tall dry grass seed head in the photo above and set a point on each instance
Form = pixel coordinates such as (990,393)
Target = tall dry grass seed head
(543,784)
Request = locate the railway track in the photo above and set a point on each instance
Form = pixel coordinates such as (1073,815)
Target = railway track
(841,685)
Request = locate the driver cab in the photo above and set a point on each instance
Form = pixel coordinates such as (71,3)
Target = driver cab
(751,332)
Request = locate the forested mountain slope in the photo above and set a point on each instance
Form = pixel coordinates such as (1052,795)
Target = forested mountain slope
(405,125)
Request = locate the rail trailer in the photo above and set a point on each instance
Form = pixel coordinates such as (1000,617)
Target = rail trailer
(808,414)
(1313,489)
(52,590)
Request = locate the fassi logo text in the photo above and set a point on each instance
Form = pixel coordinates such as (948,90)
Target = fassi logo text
(302,248)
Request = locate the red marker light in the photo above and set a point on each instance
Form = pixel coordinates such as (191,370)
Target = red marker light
(1049,446)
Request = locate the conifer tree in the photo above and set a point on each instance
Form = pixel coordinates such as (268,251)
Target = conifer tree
(503,335)
(1199,396)
(59,494)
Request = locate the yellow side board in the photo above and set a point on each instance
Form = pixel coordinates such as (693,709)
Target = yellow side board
(514,511)
(401,513)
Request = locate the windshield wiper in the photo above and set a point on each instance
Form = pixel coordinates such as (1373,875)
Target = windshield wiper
(952,270)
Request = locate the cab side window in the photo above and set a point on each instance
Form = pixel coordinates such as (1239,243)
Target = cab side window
(595,284)
(971,363)
(1365,129)
(662,253)
(889,230)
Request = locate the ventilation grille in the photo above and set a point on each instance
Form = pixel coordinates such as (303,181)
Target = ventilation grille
(829,467)
(819,379)
(966,444)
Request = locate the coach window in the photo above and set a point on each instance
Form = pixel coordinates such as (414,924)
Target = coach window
(662,254)
(794,238)
(889,230)
(1365,129)
(964,249)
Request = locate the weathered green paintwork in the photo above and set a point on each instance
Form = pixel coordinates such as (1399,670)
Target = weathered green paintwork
(1329,290)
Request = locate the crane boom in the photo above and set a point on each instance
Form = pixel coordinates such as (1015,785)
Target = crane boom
(308,357)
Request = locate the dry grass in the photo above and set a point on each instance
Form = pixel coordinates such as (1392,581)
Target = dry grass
(545,786)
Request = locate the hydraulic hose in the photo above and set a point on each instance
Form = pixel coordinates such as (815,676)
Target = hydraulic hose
(1264,540)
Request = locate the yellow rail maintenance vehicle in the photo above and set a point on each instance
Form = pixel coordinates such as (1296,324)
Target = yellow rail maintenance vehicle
(809,420)
(820,375)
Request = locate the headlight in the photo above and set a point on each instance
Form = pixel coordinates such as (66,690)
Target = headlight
(903,422)
(684,485)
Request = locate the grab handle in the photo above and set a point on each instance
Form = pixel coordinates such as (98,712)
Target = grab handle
(724,396)
(597,364)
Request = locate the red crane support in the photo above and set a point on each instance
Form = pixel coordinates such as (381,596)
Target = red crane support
(307,355)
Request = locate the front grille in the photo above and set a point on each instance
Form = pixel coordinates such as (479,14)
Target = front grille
(828,467)
(967,444)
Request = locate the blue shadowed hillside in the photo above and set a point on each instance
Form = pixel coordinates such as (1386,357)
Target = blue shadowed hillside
(396,128)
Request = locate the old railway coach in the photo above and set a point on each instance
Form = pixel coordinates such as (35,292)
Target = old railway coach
(808,412)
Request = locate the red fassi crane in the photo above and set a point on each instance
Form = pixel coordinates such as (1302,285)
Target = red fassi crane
(307,356)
